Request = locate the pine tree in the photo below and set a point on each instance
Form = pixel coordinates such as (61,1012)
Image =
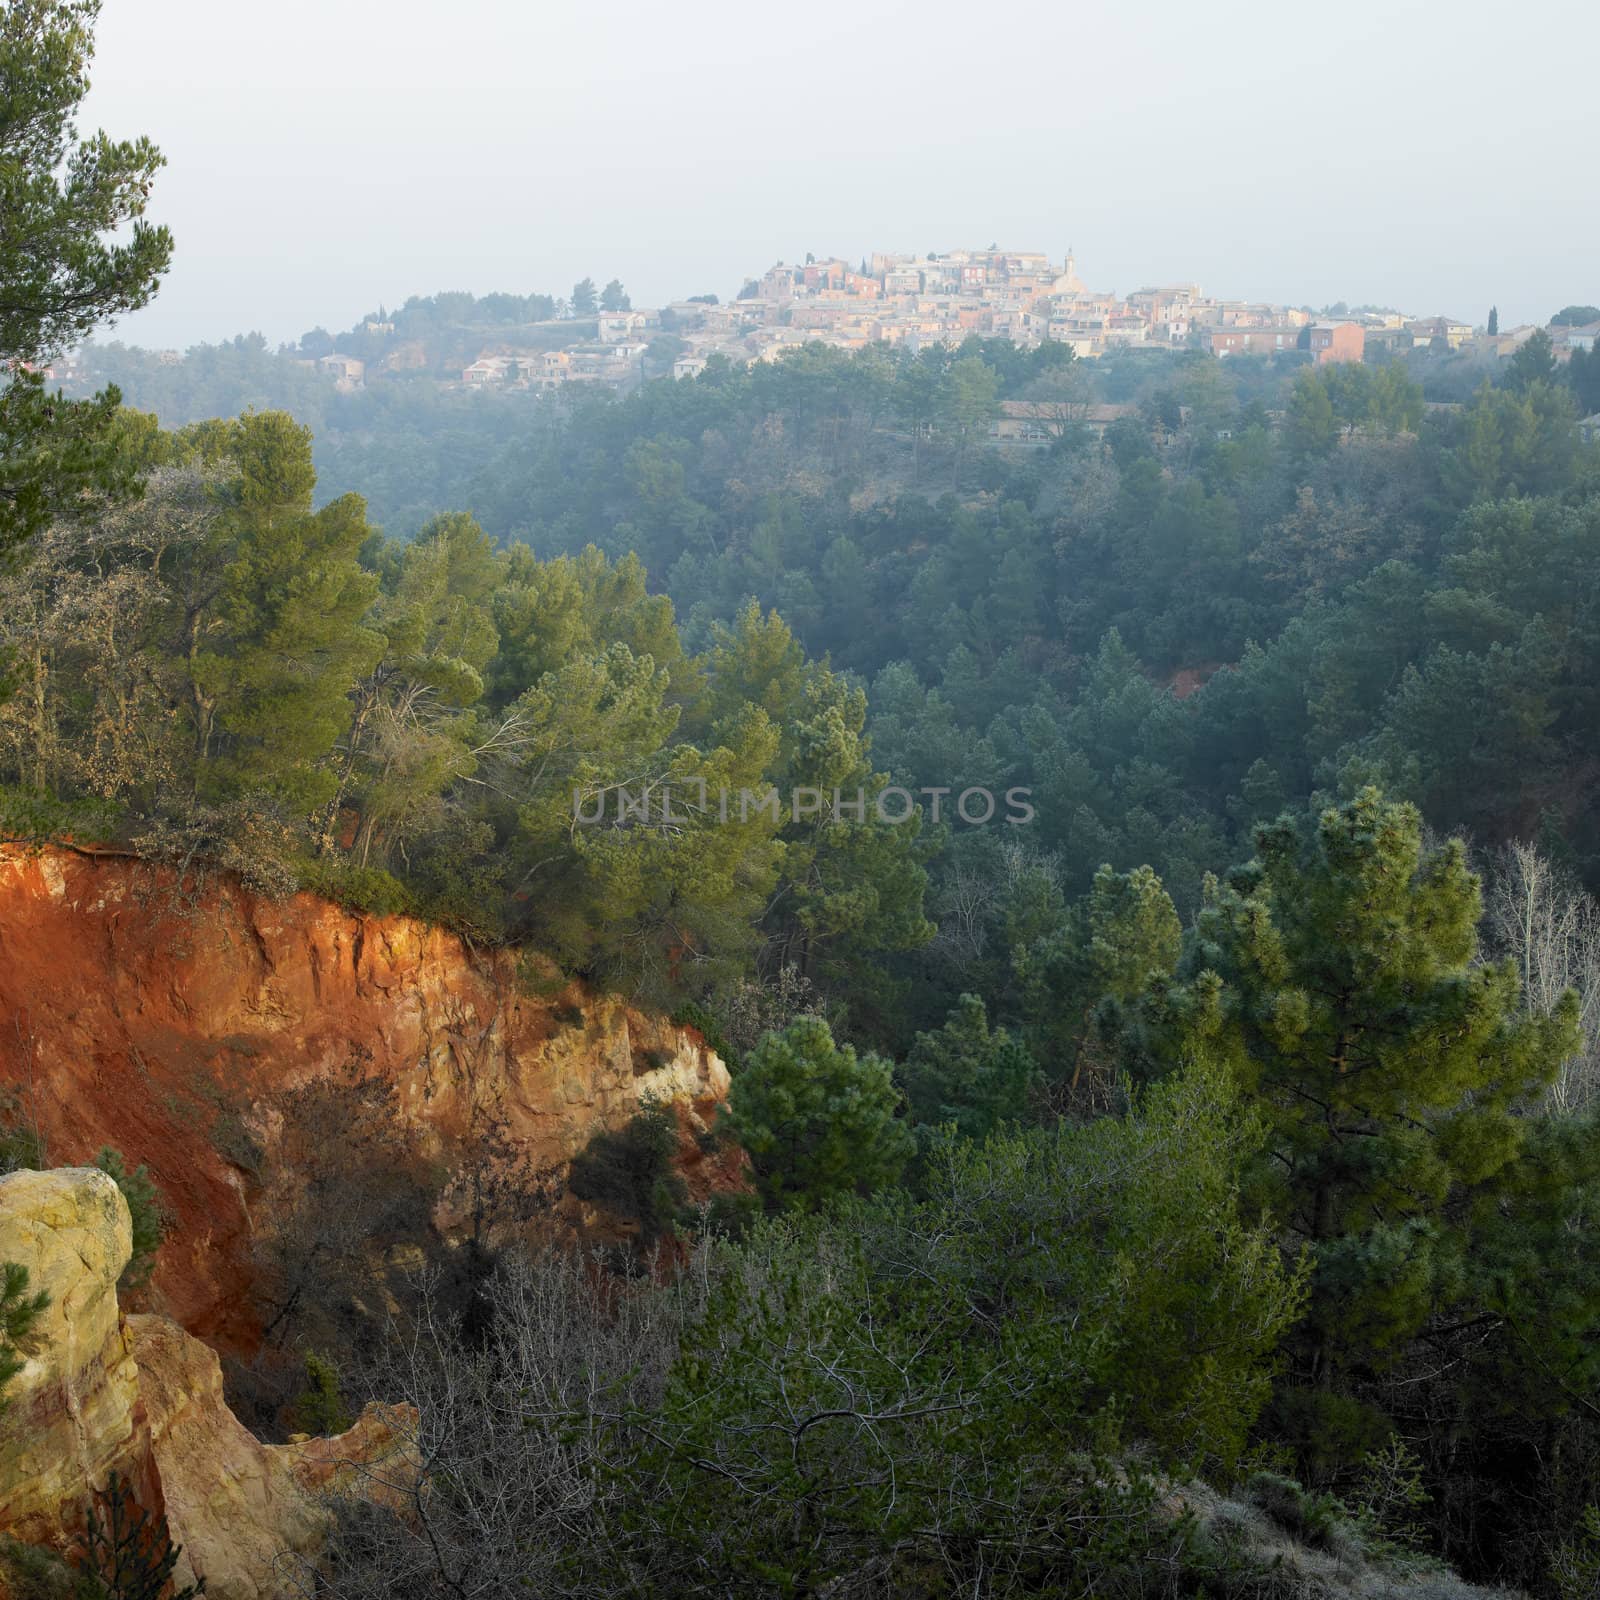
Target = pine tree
(19,1311)
(65,263)
(1112,944)
(287,642)
(131,1555)
(966,1075)
(1338,973)
(816,1119)
(1494,321)
(145,1211)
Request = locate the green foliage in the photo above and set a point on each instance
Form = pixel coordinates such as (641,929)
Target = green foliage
(35,1574)
(32,818)
(19,1311)
(633,1172)
(1390,1496)
(1576,1568)
(1318,1520)
(817,1120)
(76,250)
(965,1076)
(22,1145)
(1336,973)
(130,1554)
(369,889)
(319,1408)
(273,671)
(870,1387)
(1111,945)
(1534,361)
(144,1206)
(704,1021)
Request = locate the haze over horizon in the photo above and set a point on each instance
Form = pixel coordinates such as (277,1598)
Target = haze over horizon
(1378,161)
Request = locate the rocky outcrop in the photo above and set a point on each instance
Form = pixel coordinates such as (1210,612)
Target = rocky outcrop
(137,1395)
(71,1412)
(171,1020)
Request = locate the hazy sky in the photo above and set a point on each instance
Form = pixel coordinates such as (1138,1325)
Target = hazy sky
(329,155)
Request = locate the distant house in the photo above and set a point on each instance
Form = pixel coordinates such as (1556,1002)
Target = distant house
(1589,428)
(1233,340)
(1037,423)
(1424,330)
(689,366)
(487,371)
(1337,341)
(346,372)
(1583,338)
(615,327)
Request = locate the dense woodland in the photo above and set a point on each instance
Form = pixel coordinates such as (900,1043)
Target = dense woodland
(1231,1122)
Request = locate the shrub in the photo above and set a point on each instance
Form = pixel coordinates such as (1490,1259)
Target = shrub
(22,1146)
(319,1408)
(1319,1520)
(29,1573)
(1576,1569)
(358,888)
(1389,1496)
(631,1172)
(144,1206)
(692,1014)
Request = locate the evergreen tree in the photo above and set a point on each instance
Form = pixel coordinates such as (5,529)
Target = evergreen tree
(1534,362)
(1114,942)
(1338,974)
(1311,427)
(816,1119)
(966,1076)
(287,642)
(1494,321)
(145,1211)
(130,1554)
(852,882)
(19,1311)
(75,249)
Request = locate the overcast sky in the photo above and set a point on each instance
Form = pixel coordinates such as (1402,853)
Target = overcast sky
(328,155)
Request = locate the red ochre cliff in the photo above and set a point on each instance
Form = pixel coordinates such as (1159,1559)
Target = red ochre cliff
(170,1021)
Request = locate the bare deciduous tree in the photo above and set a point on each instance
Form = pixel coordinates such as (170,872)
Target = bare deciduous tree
(1539,916)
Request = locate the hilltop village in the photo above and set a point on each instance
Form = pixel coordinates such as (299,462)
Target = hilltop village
(894,301)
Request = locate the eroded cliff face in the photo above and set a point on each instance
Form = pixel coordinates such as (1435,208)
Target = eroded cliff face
(103,1393)
(173,1022)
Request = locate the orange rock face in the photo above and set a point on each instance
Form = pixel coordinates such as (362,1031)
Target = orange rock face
(171,1023)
